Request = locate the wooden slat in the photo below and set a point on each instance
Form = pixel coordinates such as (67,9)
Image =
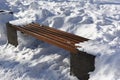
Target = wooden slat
(59,32)
(80,39)
(53,37)
(54,33)
(51,34)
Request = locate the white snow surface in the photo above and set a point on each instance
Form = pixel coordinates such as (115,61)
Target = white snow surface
(107,1)
(36,60)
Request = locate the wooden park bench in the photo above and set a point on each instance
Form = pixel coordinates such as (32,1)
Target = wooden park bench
(81,63)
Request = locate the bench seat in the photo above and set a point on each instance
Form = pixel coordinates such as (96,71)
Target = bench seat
(53,36)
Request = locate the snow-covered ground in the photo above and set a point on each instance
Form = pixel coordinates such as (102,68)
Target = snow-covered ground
(98,20)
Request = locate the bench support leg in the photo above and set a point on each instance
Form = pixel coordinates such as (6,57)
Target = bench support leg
(81,64)
(12,35)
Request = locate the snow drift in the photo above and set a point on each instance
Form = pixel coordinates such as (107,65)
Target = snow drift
(36,60)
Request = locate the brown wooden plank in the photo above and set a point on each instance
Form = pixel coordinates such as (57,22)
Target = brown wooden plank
(59,32)
(56,38)
(51,34)
(80,39)
(54,33)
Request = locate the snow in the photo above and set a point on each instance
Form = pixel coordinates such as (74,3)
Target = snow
(98,20)
(107,1)
(20,22)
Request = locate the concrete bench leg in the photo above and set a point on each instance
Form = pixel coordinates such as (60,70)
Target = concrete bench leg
(12,35)
(81,64)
